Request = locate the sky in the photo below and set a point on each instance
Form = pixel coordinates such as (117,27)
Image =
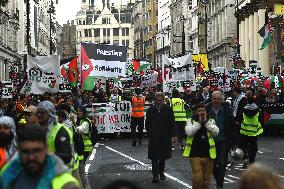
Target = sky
(67,9)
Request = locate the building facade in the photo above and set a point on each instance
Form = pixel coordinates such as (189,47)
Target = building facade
(222,28)
(179,27)
(150,24)
(192,31)
(9,25)
(137,21)
(68,41)
(164,30)
(253,15)
(108,25)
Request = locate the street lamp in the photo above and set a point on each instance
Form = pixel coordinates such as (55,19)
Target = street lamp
(50,11)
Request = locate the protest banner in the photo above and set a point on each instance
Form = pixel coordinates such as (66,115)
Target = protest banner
(112,117)
(149,80)
(43,74)
(99,60)
(7,87)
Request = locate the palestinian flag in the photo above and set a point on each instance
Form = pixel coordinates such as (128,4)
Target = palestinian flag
(99,60)
(73,72)
(273,114)
(139,66)
(266,33)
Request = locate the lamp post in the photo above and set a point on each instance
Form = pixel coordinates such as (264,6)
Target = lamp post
(167,29)
(50,11)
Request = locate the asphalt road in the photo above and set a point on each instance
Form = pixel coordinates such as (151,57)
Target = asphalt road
(117,159)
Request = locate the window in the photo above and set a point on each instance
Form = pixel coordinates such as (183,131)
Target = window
(115,31)
(88,32)
(105,20)
(97,32)
(127,43)
(125,31)
(84,22)
(123,42)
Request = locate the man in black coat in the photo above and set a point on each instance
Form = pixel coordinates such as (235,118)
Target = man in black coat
(161,130)
(226,139)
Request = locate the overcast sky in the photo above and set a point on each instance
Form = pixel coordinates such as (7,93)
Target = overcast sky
(67,9)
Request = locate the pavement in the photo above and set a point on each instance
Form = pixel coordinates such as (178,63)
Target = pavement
(117,159)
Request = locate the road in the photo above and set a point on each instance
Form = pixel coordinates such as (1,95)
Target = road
(117,159)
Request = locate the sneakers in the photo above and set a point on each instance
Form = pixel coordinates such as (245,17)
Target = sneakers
(173,148)
(134,143)
(162,176)
(155,179)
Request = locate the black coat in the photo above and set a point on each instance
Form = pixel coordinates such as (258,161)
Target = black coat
(160,128)
(231,131)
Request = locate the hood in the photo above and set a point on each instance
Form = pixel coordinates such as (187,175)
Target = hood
(251,110)
(50,108)
(54,167)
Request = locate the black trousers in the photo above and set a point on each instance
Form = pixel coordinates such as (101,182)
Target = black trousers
(249,146)
(137,122)
(220,162)
(158,167)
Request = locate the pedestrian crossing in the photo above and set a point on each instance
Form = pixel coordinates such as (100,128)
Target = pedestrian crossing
(230,178)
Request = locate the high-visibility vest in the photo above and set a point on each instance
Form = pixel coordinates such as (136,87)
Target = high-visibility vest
(118,98)
(61,180)
(74,163)
(251,126)
(212,147)
(138,106)
(177,105)
(88,145)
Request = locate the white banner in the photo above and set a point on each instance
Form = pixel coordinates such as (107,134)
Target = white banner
(178,62)
(104,68)
(43,74)
(112,118)
(7,89)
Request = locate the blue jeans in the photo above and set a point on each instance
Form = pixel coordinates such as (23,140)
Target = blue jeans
(220,162)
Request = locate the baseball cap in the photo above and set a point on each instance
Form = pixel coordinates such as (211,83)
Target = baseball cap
(31,109)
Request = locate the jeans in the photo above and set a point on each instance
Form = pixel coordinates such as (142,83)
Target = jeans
(201,172)
(137,121)
(158,167)
(249,146)
(220,162)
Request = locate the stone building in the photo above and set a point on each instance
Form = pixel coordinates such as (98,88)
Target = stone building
(164,30)
(103,22)
(253,16)
(222,28)
(179,23)
(68,41)
(137,21)
(9,25)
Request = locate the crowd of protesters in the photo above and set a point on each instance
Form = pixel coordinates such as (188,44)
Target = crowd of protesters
(66,131)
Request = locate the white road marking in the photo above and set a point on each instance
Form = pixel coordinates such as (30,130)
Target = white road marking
(97,145)
(281,158)
(239,169)
(281,176)
(141,163)
(92,156)
(87,167)
(229,180)
(232,176)
(260,152)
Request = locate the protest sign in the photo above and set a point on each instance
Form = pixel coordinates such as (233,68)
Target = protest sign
(7,89)
(43,74)
(112,117)
(149,80)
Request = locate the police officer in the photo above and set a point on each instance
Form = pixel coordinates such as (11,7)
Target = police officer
(178,106)
(137,116)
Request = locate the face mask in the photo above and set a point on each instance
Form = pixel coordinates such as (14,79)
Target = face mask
(5,139)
